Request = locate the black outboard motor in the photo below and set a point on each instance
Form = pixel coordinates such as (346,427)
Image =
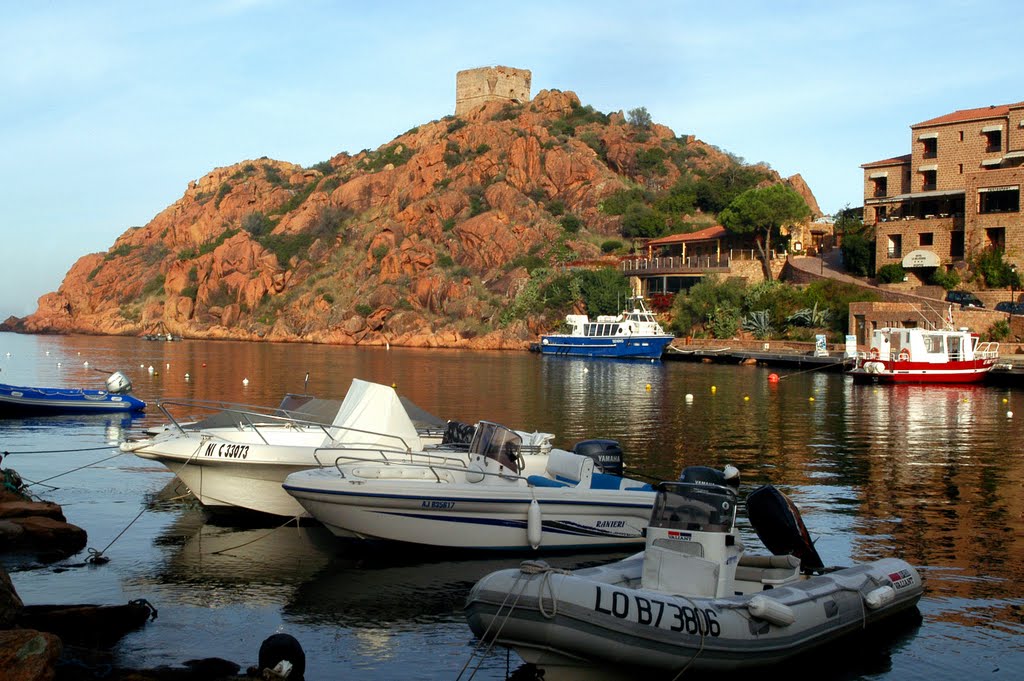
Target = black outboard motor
(457,433)
(778,524)
(607,455)
(730,477)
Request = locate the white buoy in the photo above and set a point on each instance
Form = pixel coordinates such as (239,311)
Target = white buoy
(168,366)
(1009,414)
(245,381)
(59,364)
(86,363)
(186,376)
(533,525)
(150,370)
(47,353)
(689,397)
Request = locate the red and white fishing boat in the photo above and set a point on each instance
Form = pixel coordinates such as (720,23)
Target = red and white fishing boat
(917,355)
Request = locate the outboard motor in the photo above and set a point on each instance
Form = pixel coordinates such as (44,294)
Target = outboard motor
(457,433)
(607,454)
(118,383)
(705,475)
(778,524)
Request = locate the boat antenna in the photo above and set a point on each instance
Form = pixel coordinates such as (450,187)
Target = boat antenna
(305,384)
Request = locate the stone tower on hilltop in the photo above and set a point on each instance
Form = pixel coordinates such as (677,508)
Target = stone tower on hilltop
(474,87)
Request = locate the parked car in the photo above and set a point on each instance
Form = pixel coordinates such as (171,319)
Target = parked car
(963,299)
(1012,308)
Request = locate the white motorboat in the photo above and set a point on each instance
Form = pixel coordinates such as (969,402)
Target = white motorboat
(497,499)
(239,458)
(693,599)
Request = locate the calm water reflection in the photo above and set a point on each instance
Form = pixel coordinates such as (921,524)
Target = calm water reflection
(931,474)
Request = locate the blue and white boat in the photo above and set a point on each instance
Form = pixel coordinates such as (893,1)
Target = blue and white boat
(18,401)
(497,500)
(633,334)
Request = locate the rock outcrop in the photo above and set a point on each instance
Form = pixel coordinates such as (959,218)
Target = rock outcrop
(423,242)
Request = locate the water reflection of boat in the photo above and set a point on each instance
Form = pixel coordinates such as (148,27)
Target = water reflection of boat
(229,561)
(402,588)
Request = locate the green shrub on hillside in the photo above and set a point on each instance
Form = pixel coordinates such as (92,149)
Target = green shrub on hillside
(891,273)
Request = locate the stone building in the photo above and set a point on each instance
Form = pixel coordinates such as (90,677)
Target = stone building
(474,87)
(956,193)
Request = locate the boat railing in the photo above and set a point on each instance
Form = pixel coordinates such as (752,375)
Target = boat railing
(987,350)
(258,418)
(240,415)
(448,465)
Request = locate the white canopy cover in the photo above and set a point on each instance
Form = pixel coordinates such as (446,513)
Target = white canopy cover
(372,415)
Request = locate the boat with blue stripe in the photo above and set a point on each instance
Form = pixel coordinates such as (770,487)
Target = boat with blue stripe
(497,500)
(633,334)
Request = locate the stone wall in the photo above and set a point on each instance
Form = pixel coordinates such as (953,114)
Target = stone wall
(474,87)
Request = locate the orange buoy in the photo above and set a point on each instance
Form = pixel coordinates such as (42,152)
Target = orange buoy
(773,378)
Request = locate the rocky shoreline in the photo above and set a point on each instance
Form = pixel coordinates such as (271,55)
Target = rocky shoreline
(73,642)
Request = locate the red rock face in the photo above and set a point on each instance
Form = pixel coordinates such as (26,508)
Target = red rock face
(412,244)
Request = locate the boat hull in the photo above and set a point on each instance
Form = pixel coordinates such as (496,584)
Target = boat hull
(598,617)
(487,517)
(625,347)
(17,402)
(896,371)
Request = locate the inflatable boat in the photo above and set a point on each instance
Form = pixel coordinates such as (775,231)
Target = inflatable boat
(20,401)
(693,599)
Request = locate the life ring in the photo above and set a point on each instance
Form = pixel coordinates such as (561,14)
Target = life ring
(904,355)
(874,353)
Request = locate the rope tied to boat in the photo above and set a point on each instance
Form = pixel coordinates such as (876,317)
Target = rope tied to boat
(487,641)
(539,567)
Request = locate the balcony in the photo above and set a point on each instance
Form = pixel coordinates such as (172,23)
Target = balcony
(697,264)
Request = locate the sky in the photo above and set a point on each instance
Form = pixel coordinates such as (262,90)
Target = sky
(108,109)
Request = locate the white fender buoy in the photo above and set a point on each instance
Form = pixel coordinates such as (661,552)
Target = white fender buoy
(59,365)
(771,610)
(533,525)
(876,598)
(86,364)
(167,366)
(245,381)
(689,398)
(186,376)
(150,370)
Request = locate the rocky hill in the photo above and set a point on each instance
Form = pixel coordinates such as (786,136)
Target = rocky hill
(422,242)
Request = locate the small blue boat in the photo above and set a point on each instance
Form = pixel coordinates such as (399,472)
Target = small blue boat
(633,334)
(18,401)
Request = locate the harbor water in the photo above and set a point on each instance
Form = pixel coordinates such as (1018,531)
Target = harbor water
(931,474)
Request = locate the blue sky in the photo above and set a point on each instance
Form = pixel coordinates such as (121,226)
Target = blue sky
(110,108)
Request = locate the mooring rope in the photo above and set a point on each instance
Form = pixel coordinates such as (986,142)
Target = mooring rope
(259,538)
(77,468)
(58,451)
(482,642)
(97,557)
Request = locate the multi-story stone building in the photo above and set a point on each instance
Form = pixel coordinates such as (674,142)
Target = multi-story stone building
(956,193)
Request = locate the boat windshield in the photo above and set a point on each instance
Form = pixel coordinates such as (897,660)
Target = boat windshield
(499,443)
(694,506)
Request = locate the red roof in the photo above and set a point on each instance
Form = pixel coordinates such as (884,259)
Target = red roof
(994,111)
(706,234)
(896,160)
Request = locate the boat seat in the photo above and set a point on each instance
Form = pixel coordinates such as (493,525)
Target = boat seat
(570,468)
(770,571)
(541,481)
